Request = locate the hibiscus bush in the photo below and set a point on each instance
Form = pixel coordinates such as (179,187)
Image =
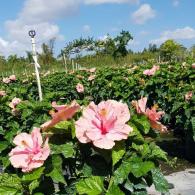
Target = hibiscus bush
(102,143)
(97,149)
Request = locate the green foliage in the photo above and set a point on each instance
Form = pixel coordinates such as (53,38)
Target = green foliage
(10,184)
(72,167)
(160,182)
(169,49)
(91,186)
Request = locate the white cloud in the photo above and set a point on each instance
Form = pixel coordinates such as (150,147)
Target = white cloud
(12,47)
(37,11)
(175,3)
(133,43)
(86,28)
(41,15)
(178,34)
(143,14)
(110,1)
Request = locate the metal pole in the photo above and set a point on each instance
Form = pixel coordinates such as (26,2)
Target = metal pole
(72,65)
(65,63)
(32,34)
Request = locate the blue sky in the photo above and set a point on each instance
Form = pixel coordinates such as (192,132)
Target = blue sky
(149,21)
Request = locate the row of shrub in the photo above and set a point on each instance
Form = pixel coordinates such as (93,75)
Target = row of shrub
(73,167)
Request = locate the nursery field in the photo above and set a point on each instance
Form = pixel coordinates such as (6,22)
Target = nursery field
(97,131)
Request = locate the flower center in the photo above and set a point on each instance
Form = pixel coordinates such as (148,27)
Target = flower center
(103,128)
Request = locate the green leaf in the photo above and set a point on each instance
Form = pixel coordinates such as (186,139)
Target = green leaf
(193,126)
(143,149)
(3,145)
(114,190)
(133,165)
(142,123)
(90,186)
(34,175)
(140,193)
(8,191)
(157,153)
(56,173)
(122,172)
(129,186)
(66,149)
(159,181)
(63,127)
(139,169)
(10,184)
(57,161)
(5,161)
(117,152)
(136,135)
(33,185)
(57,176)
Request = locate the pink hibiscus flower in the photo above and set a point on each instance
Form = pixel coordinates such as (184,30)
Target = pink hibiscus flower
(140,105)
(92,70)
(152,71)
(12,77)
(6,80)
(80,88)
(151,114)
(30,151)
(103,124)
(14,103)
(91,77)
(188,96)
(64,112)
(2,93)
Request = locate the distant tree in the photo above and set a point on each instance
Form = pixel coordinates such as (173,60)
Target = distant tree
(116,47)
(121,42)
(169,49)
(153,48)
(29,57)
(192,50)
(2,60)
(46,57)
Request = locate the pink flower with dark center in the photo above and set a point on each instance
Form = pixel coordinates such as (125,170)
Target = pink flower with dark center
(152,71)
(80,88)
(30,151)
(2,93)
(64,112)
(193,65)
(188,96)
(103,124)
(91,77)
(151,114)
(12,77)
(14,103)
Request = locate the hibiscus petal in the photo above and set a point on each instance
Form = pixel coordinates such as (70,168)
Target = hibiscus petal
(158,126)
(104,143)
(23,140)
(19,161)
(36,137)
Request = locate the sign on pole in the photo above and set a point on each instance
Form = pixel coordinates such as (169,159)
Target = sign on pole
(32,34)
